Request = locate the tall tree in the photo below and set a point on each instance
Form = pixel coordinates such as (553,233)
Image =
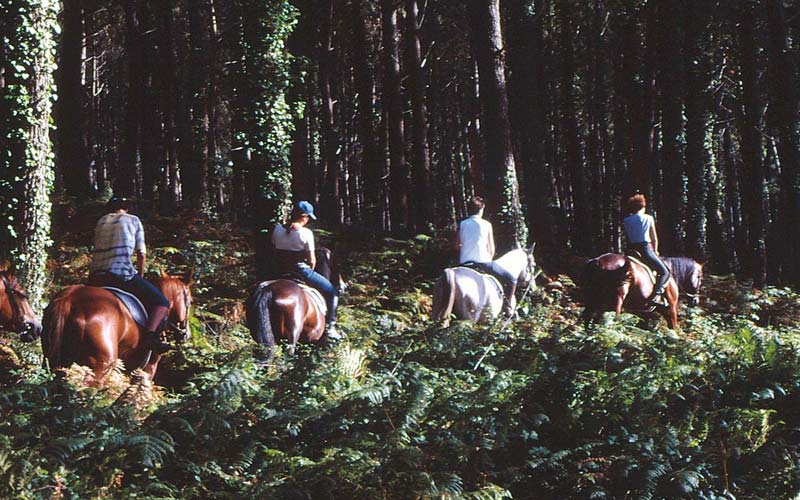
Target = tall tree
(500,170)
(72,158)
(782,118)
(393,102)
(26,173)
(421,172)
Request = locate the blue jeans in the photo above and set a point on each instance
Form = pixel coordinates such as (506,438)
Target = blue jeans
(651,259)
(143,290)
(507,280)
(319,282)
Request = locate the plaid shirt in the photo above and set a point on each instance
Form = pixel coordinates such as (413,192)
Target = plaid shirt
(116,237)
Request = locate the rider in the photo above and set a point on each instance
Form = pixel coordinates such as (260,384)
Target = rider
(117,237)
(642,236)
(294,252)
(476,247)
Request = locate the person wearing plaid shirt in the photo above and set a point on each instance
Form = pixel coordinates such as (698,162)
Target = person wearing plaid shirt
(117,237)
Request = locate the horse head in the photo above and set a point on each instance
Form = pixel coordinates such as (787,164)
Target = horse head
(694,284)
(16,313)
(528,273)
(177,289)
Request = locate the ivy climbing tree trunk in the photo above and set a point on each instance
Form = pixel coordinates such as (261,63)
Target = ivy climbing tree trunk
(26,172)
(500,169)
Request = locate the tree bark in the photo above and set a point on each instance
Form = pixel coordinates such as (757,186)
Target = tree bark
(500,169)
(393,101)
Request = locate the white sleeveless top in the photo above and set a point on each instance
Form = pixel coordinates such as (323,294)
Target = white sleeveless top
(294,241)
(637,227)
(474,233)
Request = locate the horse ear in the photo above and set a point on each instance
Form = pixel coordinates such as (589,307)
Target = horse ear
(189,277)
(162,273)
(5,265)
(530,250)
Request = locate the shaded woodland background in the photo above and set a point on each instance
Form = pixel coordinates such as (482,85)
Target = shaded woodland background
(390,114)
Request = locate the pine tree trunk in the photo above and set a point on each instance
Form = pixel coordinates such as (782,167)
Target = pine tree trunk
(372,162)
(782,119)
(330,144)
(500,169)
(72,157)
(753,187)
(393,101)
(420,195)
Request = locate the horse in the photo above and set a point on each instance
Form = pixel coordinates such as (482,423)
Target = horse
(688,273)
(90,326)
(613,282)
(16,313)
(282,309)
(472,295)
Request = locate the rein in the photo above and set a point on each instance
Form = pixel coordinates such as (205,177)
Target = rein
(531,282)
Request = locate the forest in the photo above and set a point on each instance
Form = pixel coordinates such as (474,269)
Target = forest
(388,116)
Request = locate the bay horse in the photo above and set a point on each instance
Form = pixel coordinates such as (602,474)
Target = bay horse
(613,282)
(16,314)
(688,274)
(90,326)
(472,295)
(282,309)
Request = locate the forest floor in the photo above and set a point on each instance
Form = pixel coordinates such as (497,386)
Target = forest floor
(403,408)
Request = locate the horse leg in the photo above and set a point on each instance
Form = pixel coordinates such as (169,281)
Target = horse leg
(671,315)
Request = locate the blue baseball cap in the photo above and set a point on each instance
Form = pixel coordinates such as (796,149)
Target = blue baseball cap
(306,208)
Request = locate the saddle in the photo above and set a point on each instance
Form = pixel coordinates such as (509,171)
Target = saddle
(314,294)
(636,256)
(472,266)
(132,303)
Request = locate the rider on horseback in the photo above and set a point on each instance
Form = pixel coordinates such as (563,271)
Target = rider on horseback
(117,237)
(476,248)
(294,253)
(643,238)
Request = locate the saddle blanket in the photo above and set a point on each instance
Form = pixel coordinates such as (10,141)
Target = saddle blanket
(650,272)
(488,276)
(314,294)
(133,304)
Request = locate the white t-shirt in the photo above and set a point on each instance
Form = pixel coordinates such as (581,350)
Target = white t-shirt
(637,227)
(116,238)
(475,234)
(293,240)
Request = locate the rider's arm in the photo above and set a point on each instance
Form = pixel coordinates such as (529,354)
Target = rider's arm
(491,242)
(654,237)
(141,261)
(310,250)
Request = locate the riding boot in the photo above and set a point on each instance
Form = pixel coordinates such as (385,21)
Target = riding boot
(152,339)
(330,326)
(657,298)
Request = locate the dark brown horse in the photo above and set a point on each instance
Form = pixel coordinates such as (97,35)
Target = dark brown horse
(16,314)
(688,273)
(90,326)
(613,282)
(283,310)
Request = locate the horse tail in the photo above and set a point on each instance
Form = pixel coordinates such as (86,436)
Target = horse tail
(258,317)
(55,318)
(446,293)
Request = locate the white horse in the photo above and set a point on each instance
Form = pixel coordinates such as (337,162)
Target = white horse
(469,294)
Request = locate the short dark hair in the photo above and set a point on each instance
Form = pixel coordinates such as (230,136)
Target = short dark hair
(636,203)
(475,205)
(119,202)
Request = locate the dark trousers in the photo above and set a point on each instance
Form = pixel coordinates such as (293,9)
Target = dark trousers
(651,259)
(319,282)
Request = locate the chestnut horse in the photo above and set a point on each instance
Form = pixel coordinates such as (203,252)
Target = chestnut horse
(283,310)
(15,313)
(613,282)
(90,326)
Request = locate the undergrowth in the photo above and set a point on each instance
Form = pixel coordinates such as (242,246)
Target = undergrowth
(404,409)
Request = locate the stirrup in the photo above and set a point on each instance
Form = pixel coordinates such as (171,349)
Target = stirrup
(659,300)
(152,342)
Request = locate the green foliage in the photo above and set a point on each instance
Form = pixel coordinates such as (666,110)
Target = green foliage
(397,410)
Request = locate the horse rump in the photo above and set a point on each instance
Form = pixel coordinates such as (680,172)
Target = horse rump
(444,294)
(54,322)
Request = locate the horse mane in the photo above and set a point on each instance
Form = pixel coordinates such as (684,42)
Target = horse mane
(681,268)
